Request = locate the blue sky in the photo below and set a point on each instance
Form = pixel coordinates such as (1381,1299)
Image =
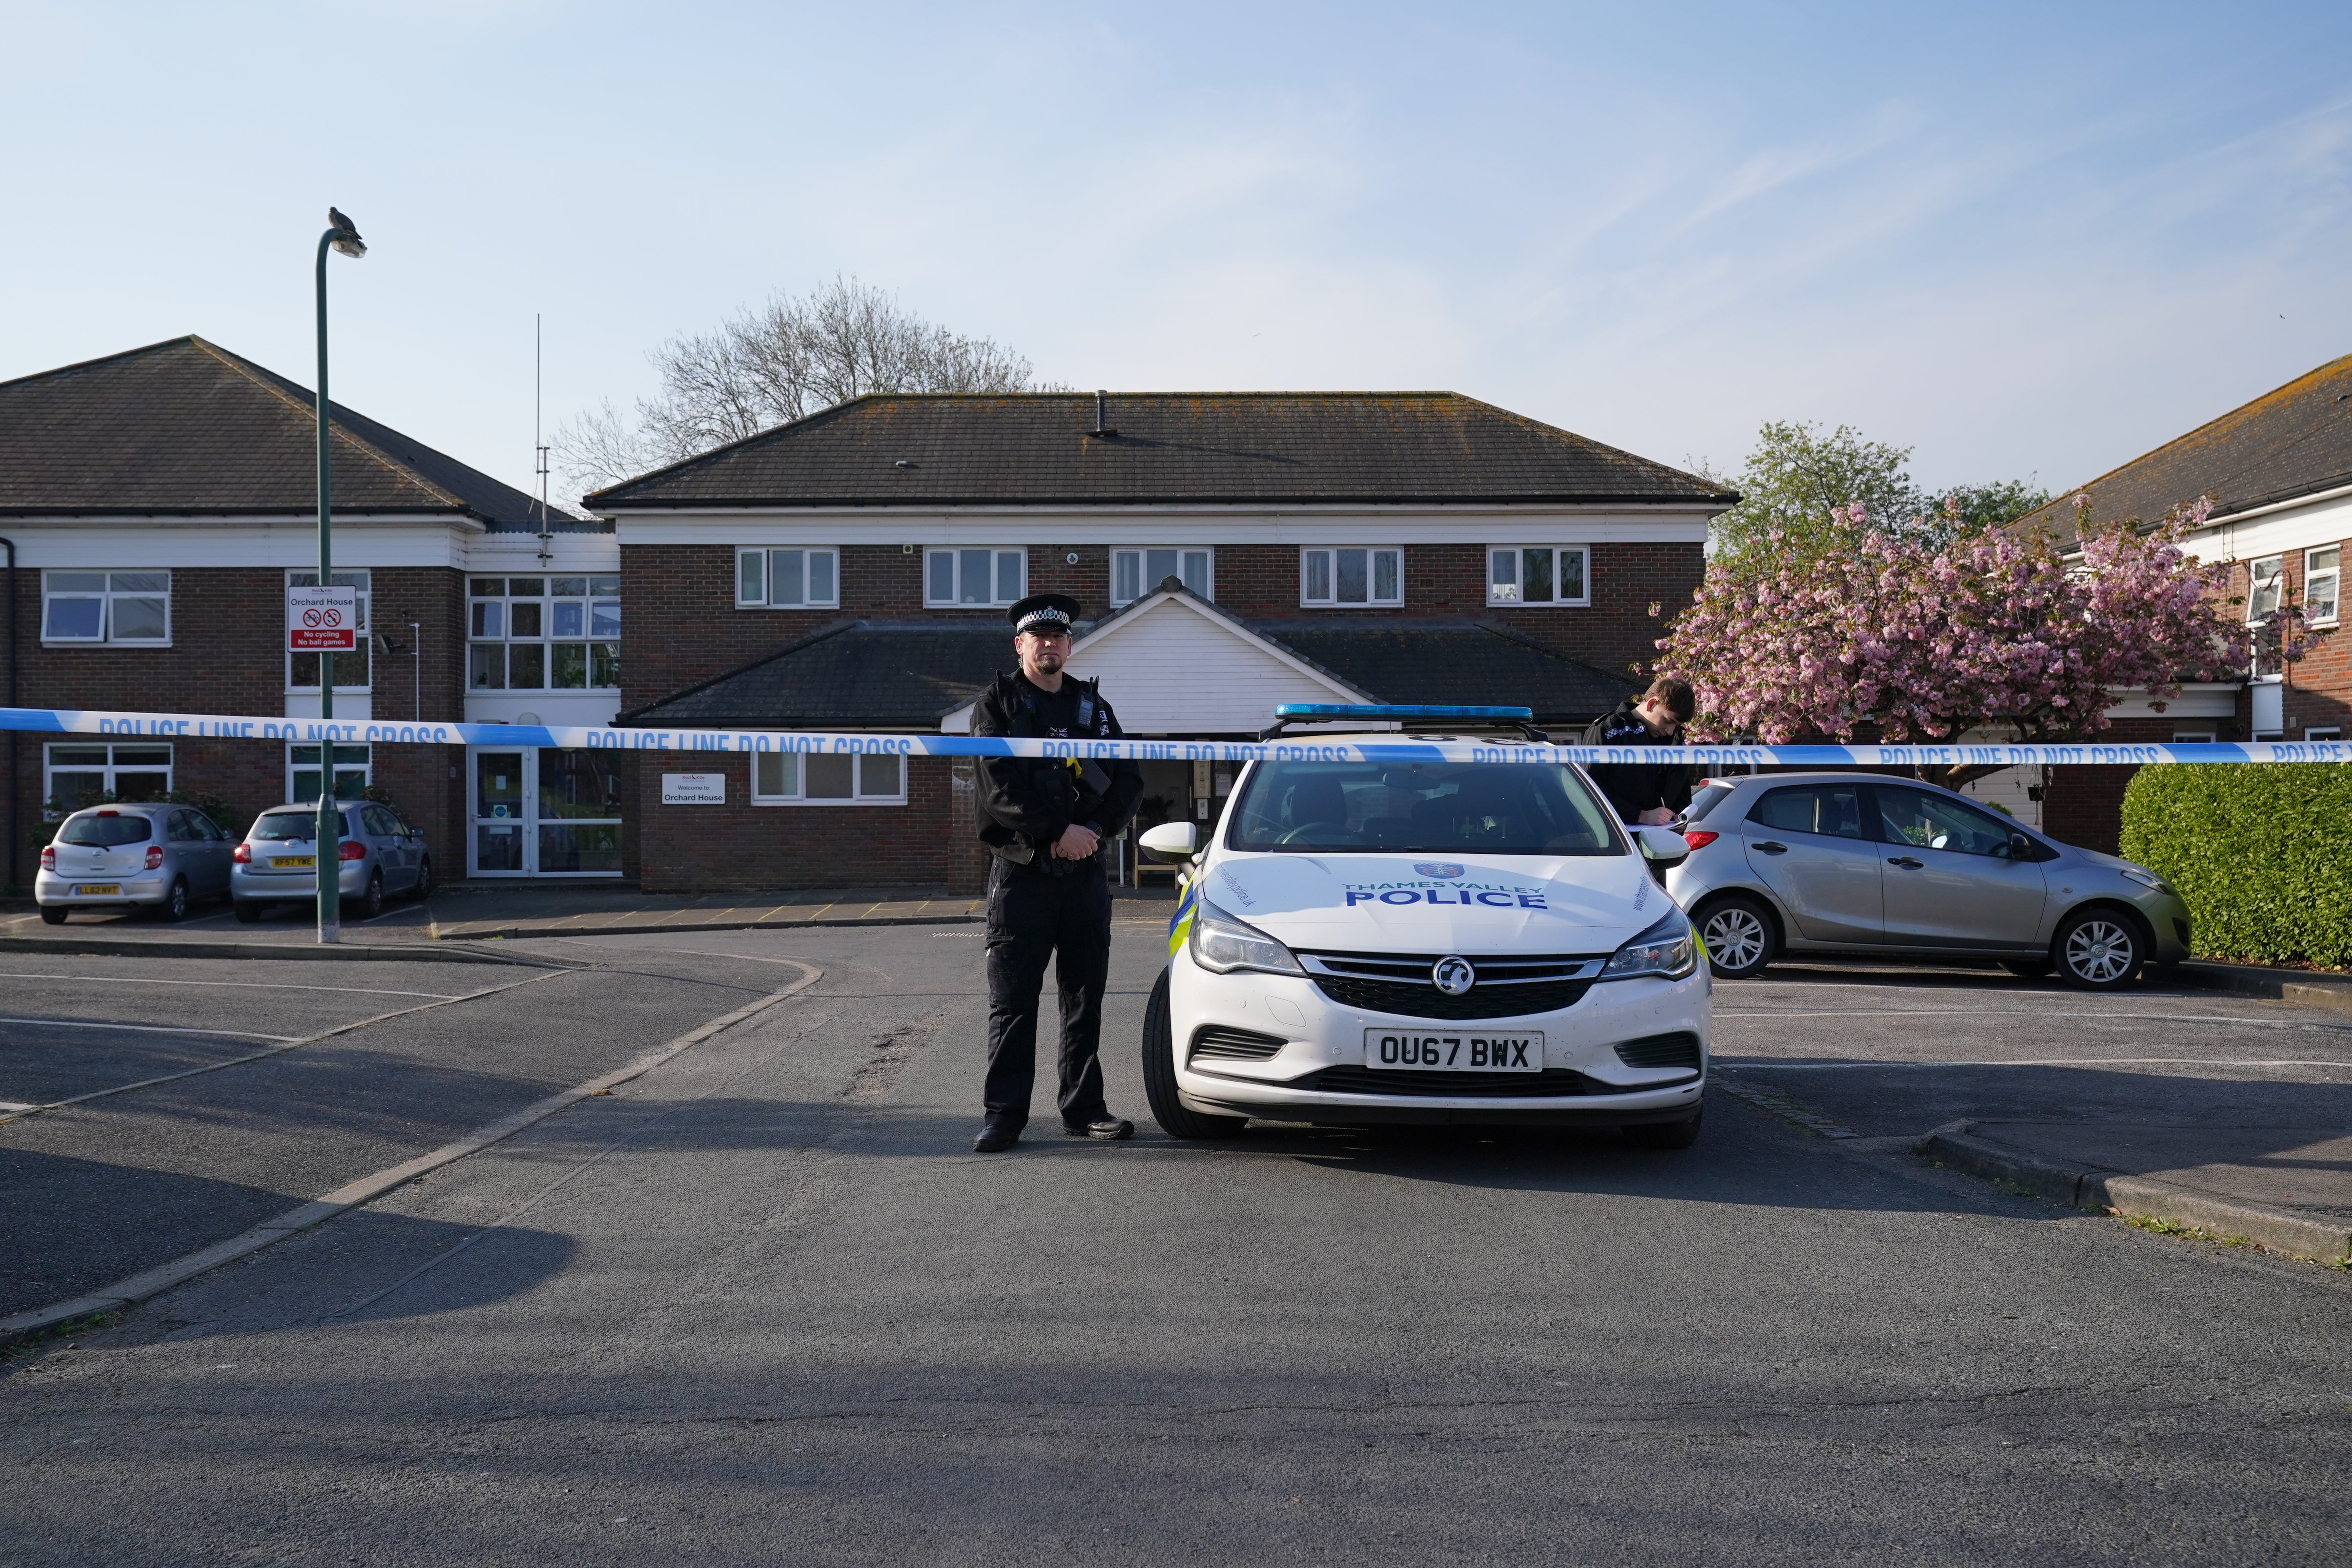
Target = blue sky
(2022,239)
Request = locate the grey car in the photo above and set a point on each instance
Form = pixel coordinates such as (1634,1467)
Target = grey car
(150,855)
(380,855)
(1860,863)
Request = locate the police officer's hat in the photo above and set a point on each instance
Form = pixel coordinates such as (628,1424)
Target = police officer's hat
(1045,612)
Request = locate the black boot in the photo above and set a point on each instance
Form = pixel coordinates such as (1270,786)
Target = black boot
(1109,1129)
(996,1135)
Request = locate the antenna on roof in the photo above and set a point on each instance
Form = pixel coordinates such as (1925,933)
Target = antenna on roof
(537,382)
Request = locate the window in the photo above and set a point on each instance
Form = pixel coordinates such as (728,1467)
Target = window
(1135,574)
(1351,576)
(533,634)
(2262,593)
(1833,811)
(828,778)
(1924,821)
(2320,576)
(975,577)
(350,668)
(132,608)
(1494,808)
(2332,733)
(1539,574)
(2192,737)
(353,772)
(75,775)
(788,579)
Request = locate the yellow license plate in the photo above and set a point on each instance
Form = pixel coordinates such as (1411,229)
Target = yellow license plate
(294,859)
(99,889)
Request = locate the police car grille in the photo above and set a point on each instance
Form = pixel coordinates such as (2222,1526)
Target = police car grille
(1550,1084)
(1218,1043)
(1411,999)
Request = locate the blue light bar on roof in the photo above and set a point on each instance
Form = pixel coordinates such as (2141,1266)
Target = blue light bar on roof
(1399,711)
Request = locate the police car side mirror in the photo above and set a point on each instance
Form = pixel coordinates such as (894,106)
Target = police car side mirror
(1661,846)
(1171,842)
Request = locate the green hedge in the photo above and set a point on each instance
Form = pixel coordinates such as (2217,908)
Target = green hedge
(2258,849)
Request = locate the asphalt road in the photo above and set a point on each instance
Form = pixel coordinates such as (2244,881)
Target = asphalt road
(765,1305)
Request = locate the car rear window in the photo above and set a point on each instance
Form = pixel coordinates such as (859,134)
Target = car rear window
(289,824)
(1709,796)
(1833,811)
(106,832)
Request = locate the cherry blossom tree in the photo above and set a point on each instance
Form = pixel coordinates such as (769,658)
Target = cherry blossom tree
(1999,630)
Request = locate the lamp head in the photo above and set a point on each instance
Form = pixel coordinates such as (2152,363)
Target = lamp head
(344,235)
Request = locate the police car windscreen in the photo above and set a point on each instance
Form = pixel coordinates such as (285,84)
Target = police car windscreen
(1495,808)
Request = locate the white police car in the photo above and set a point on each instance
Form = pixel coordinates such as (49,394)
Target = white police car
(1426,941)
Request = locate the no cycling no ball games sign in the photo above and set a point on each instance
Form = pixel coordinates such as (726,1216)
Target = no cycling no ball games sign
(322,620)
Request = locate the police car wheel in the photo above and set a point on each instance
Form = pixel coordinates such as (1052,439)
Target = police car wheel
(1159,1076)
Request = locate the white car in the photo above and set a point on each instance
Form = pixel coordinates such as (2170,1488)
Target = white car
(1427,942)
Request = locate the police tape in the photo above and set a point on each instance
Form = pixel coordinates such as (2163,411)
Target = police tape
(1311,747)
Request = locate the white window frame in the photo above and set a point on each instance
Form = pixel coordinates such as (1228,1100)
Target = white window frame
(105,595)
(349,760)
(2333,575)
(780,778)
(601,590)
(364,590)
(108,771)
(1328,556)
(957,554)
(1560,553)
(2255,579)
(2192,737)
(759,560)
(1146,584)
(2323,733)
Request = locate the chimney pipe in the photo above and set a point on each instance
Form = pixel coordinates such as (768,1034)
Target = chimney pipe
(1102,430)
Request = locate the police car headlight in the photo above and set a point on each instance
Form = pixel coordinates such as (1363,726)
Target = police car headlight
(1667,949)
(1221,944)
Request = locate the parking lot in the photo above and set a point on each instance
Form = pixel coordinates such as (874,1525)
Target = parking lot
(763,1304)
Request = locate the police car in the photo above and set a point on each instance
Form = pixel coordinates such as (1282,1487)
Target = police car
(1426,941)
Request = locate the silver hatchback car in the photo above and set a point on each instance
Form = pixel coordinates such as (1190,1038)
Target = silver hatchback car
(147,855)
(378,854)
(1864,864)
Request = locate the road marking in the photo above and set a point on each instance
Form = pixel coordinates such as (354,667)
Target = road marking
(152,1028)
(1772,1102)
(812,975)
(2041,1013)
(240,984)
(1747,1064)
(352,1195)
(290,1044)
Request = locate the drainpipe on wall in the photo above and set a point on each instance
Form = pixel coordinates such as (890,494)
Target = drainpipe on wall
(15,783)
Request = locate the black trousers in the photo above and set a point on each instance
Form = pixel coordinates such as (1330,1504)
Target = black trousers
(1033,916)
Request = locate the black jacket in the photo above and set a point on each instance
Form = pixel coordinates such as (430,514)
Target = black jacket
(1636,787)
(1026,801)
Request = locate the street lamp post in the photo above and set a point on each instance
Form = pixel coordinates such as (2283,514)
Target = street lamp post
(327,838)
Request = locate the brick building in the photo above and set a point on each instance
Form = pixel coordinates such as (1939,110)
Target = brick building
(1233,551)
(159,503)
(2279,473)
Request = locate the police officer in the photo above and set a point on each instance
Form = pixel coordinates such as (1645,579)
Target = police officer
(1646,794)
(1045,822)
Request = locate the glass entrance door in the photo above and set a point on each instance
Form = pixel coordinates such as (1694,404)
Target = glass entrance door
(545,811)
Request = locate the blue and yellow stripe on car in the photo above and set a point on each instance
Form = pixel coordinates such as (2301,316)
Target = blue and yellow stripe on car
(1180,925)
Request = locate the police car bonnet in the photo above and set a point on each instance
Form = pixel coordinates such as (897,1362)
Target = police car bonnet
(1418,903)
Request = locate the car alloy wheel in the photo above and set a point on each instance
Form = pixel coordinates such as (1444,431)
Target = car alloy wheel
(1738,938)
(2099,950)
(175,903)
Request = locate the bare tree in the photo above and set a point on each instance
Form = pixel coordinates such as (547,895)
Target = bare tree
(786,361)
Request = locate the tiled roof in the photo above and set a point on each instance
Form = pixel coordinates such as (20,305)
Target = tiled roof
(883,674)
(2289,442)
(1035,448)
(186,427)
